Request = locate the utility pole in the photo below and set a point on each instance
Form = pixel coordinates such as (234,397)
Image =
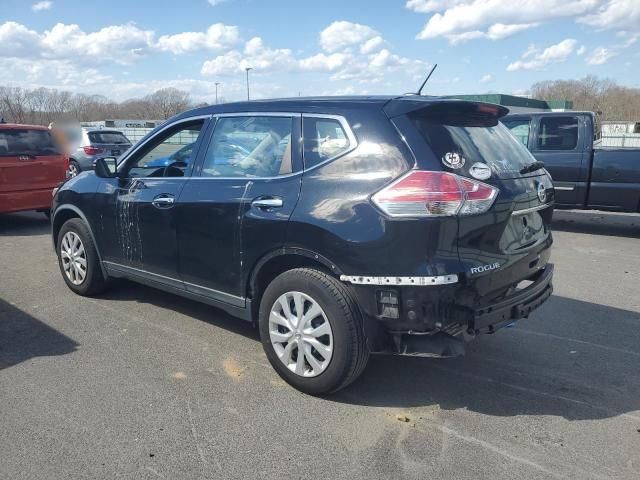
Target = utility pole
(217,83)
(247,70)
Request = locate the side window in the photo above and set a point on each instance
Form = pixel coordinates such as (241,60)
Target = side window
(249,146)
(324,138)
(168,154)
(558,133)
(520,129)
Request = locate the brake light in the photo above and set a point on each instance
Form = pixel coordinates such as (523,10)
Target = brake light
(427,194)
(89,150)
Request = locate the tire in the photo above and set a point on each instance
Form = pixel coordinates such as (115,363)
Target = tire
(93,281)
(74,168)
(346,340)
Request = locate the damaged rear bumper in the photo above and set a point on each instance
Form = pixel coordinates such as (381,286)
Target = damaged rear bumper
(437,320)
(489,318)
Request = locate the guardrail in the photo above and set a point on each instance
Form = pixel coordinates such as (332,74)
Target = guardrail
(182,138)
(629,140)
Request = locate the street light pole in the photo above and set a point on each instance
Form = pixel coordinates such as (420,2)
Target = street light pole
(247,70)
(217,83)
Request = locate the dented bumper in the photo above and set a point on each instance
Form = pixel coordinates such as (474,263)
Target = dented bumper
(424,320)
(491,317)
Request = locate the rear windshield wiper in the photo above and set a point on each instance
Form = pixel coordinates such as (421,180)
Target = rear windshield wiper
(532,167)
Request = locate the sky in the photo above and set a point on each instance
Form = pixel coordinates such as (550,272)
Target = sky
(127,49)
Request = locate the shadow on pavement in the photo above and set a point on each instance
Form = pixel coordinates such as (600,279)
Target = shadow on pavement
(23,337)
(597,223)
(581,370)
(23,224)
(131,291)
(572,359)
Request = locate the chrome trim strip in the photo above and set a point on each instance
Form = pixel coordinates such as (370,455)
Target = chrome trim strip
(532,209)
(572,187)
(414,281)
(124,268)
(256,114)
(233,299)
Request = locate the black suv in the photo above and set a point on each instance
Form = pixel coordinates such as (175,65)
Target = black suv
(341,226)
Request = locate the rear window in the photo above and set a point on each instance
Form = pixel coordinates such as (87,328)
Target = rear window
(558,133)
(459,142)
(324,138)
(114,138)
(519,128)
(26,142)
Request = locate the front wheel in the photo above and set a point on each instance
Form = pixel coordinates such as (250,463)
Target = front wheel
(311,331)
(78,259)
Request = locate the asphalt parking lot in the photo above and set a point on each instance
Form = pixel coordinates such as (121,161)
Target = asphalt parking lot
(142,384)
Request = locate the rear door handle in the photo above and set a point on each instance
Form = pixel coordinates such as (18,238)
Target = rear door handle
(164,200)
(267,202)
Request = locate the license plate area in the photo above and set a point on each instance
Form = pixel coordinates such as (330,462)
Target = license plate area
(522,231)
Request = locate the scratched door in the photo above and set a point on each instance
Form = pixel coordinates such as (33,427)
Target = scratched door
(137,211)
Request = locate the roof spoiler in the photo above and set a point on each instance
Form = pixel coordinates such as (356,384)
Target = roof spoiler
(442,107)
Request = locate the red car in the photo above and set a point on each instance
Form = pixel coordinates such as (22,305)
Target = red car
(31,166)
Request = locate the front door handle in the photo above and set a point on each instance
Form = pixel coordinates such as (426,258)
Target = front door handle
(164,200)
(267,202)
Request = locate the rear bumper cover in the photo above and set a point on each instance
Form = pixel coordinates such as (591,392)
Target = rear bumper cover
(422,320)
(491,317)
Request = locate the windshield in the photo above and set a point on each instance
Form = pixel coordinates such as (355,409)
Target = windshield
(114,138)
(491,144)
(26,142)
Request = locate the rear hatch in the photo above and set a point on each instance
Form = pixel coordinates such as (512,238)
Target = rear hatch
(509,241)
(110,143)
(29,160)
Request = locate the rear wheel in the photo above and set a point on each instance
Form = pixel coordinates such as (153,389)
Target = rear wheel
(78,259)
(311,331)
(74,168)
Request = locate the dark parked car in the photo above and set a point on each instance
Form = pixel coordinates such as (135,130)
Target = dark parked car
(341,226)
(87,144)
(584,175)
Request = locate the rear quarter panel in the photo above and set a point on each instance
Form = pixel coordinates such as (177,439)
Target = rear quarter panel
(336,219)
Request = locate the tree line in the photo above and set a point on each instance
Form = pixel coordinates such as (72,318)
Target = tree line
(613,101)
(42,106)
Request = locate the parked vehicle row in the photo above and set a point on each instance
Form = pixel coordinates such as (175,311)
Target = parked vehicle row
(342,226)
(584,176)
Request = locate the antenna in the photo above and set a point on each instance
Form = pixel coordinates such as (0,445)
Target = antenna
(419,92)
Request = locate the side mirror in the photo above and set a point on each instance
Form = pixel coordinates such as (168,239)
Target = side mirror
(106,167)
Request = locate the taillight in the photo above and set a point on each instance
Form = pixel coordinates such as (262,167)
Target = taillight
(427,194)
(89,150)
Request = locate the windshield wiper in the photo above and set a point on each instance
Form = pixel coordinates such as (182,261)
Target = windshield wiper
(537,165)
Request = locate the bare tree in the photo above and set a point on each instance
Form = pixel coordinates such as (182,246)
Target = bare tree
(166,102)
(45,105)
(594,94)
